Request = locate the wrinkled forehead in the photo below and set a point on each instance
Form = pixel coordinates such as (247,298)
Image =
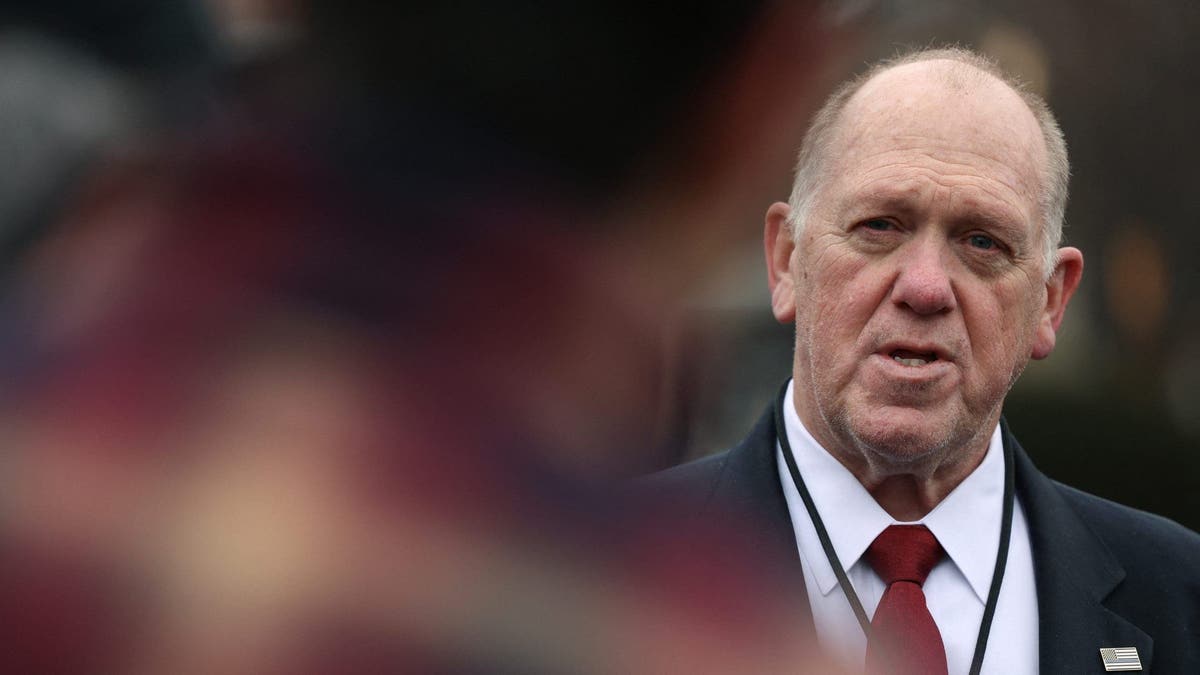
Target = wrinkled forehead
(946,106)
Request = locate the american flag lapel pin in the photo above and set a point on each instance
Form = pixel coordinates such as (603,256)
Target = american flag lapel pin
(1120,658)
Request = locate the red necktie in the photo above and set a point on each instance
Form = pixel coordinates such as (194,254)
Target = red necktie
(904,638)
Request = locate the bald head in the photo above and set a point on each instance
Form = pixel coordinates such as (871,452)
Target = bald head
(931,94)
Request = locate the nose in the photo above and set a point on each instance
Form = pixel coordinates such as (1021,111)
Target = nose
(923,283)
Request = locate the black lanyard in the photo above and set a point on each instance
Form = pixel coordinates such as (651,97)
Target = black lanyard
(989,610)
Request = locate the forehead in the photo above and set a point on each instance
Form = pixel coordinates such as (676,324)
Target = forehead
(947,116)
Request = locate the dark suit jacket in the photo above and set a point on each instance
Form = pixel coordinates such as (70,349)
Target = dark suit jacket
(1106,575)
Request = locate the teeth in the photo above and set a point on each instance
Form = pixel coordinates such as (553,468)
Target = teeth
(910,362)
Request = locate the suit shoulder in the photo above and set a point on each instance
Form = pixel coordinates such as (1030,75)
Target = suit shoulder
(696,479)
(1136,534)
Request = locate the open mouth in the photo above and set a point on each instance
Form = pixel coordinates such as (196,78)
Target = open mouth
(910,358)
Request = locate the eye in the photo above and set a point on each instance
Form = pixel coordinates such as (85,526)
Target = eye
(982,242)
(878,225)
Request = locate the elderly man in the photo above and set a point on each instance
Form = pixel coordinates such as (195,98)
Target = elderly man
(919,259)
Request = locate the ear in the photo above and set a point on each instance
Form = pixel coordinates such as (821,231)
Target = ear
(1059,289)
(779,245)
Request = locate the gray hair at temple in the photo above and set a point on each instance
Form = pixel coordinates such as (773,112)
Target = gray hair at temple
(814,150)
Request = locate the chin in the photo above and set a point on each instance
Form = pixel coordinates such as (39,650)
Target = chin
(904,436)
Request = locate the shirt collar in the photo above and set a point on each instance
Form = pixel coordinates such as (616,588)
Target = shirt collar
(966,522)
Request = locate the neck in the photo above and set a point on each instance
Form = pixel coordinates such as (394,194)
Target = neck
(904,481)
(908,497)
(909,491)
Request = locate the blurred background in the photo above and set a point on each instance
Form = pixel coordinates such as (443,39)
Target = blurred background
(326,324)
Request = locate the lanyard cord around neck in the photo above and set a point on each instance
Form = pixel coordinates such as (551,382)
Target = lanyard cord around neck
(989,609)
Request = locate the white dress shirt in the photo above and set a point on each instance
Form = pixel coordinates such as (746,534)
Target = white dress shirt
(966,522)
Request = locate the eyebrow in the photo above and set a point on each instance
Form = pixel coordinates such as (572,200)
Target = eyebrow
(888,201)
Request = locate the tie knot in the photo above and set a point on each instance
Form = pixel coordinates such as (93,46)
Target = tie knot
(904,553)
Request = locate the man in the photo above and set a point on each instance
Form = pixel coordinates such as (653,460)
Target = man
(919,259)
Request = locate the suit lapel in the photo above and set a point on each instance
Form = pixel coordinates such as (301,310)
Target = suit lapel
(1074,573)
(749,485)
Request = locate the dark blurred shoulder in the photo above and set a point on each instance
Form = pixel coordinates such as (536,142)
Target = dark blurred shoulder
(1132,534)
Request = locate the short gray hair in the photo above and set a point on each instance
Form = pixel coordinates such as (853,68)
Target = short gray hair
(810,164)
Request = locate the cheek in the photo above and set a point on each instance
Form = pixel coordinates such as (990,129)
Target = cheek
(834,307)
(836,275)
(1001,327)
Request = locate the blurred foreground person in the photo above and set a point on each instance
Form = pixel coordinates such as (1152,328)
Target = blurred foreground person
(328,376)
(919,259)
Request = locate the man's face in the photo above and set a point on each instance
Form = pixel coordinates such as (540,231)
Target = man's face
(918,284)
